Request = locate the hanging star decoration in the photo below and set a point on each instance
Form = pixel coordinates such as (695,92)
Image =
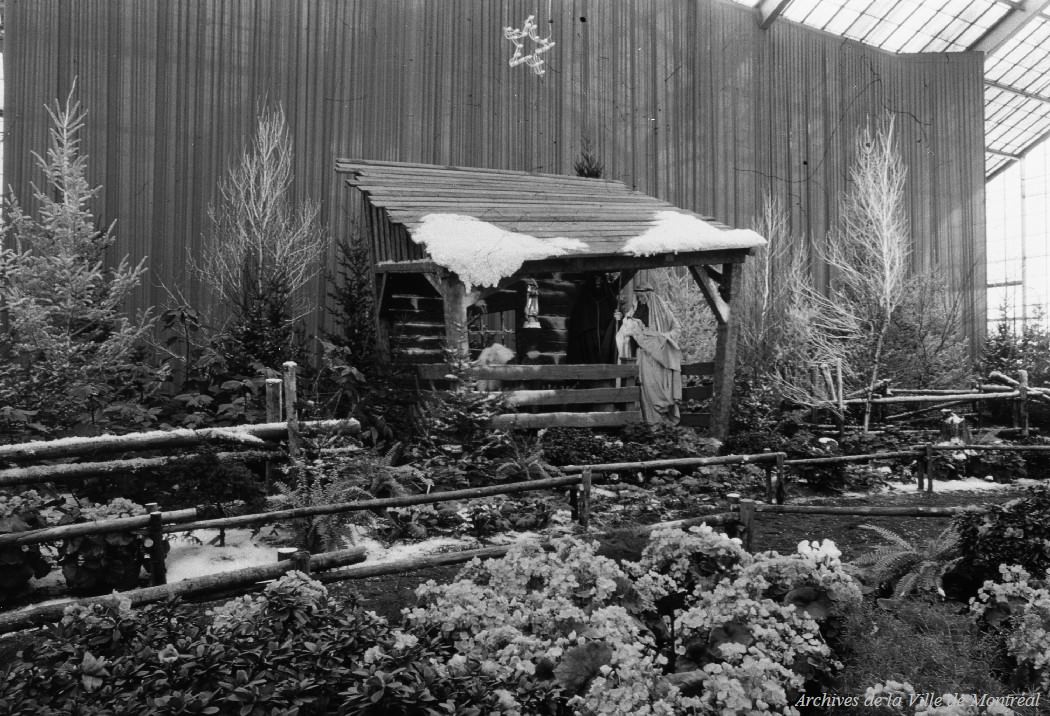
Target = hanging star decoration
(518,37)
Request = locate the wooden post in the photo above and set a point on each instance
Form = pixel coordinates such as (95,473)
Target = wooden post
(584,503)
(273,415)
(574,503)
(273,400)
(286,553)
(1022,401)
(290,400)
(725,359)
(931,468)
(779,481)
(301,561)
(158,570)
(921,468)
(814,389)
(454,295)
(746,509)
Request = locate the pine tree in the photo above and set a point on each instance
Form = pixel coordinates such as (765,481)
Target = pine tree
(74,349)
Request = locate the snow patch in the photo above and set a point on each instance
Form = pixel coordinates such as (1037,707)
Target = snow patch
(675,231)
(481,253)
(188,559)
(969,484)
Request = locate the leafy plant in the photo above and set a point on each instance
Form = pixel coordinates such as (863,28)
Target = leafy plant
(20,563)
(73,350)
(1015,532)
(95,564)
(905,567)
(290,650)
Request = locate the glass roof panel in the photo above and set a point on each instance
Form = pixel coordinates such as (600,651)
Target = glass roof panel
(1013,120)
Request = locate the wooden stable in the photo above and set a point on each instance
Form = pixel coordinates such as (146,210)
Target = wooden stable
(425,309)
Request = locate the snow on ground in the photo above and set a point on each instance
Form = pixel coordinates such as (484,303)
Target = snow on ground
(187,559)
(969,484)
(481,253)
(675,231)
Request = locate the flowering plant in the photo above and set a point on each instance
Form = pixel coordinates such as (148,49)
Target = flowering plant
(20,563)
(1022,607)
(94,564)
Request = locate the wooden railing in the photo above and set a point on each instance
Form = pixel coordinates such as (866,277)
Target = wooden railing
(593,395)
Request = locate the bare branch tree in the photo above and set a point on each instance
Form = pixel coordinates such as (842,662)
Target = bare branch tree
(261,243)
(867,253)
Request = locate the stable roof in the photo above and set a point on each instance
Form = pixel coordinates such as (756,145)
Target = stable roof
(486,224)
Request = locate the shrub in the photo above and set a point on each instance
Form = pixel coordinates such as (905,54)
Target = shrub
(286,651)
(95,564)
(1020,608)
(20,563)
(1016,532)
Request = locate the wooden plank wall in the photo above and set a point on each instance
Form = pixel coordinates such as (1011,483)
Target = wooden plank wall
(688,100)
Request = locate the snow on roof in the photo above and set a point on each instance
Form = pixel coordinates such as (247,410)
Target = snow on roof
(484,224)
(481,253)
(674,231)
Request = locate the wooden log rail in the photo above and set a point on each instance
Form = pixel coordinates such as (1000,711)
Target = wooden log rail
(234,579)
(673,463)
(33,474)
(254,436)
(187,520)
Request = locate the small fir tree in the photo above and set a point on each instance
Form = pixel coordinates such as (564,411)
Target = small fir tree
(74,349)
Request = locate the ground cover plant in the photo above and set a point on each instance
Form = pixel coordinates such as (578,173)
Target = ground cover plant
(697,625)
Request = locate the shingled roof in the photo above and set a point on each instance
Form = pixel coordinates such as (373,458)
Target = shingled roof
(485,223)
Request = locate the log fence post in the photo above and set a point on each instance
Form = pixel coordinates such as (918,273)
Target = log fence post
(155,545)
(779,480)
(584,500)
(273,415)
(301,561)
(931,467)
(1022,401)
(746,510)
(290,405)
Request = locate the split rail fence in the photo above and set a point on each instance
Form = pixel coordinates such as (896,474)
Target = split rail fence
(578,480)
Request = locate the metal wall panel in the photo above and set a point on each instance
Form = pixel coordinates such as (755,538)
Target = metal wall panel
(688,100)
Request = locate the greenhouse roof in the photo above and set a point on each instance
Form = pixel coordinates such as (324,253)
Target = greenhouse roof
(1013,34)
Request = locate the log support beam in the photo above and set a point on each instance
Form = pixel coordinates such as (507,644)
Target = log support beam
(454,295)
(725,355)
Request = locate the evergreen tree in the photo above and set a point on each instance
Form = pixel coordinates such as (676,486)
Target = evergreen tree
(72,348)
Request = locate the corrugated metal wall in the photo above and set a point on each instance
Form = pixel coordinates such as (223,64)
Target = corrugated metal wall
(687,100)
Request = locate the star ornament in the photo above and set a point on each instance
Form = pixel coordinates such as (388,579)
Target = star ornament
(540,45)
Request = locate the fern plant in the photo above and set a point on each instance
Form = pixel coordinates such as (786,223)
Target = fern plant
(908,568)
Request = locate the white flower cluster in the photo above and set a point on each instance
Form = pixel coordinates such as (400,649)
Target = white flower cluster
(535,605)
(117,507)
(28,501)
(1027,606)
(241,612)
(822,553)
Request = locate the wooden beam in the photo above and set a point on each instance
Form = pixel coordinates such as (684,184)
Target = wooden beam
(769,11)
(420,266)
(583,371)
(725,361)
(526,421)
(454,295)
(714,299)
(580,263)
(1010,25)
(1045,99)
(572,396)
